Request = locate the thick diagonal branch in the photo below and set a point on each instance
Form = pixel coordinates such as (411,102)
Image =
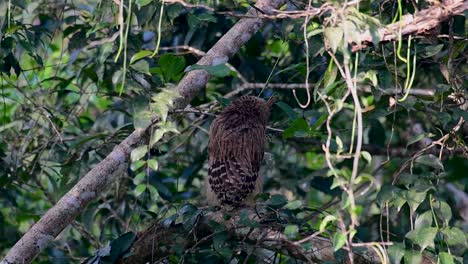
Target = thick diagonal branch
(421,23)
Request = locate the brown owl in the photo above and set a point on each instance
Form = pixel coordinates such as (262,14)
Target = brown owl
(235,150)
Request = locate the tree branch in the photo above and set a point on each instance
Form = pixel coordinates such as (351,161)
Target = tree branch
(157,241)
(421,23)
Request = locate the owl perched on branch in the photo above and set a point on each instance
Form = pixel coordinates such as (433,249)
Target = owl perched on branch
(235,150)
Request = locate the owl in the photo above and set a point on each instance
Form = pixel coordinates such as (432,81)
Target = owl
(235,151)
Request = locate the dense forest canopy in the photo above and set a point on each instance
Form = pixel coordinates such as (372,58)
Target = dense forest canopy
(106,106)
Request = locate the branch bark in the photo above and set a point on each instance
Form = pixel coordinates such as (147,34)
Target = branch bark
(99,178)
(157,241)
(421,23)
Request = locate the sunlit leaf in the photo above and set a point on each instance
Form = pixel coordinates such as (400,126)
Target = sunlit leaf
(138,153)
(334,37)
(327,219)
(141,188)
(153,164)
(339,240)
(446,258)
(140,55)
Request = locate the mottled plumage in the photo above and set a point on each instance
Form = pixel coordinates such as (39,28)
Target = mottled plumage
(235,149)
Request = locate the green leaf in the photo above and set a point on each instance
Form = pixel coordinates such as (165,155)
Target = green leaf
(163,101)
(139,189)
(319,122)
(415,139)
(423,220)
(413,257)
(120,245)
(430,50)
(138,153)
(153,164)
(424,236)
(414,198)
(172,67)
(371,75)
(443,211)
(339,143)
(288,110)
(385,195)
(220,70)
(339,240)
(221,100)
(454,236)
(163,129)
(139,178)
(142,3)
(190,219)
(327,219)
(141,66)
(329,77)
(246,221)
(154,192)
(140,55)
(446,258)
(396,253)
(291,231)
(351,30)
(298,125)
(398,202)
(195,21)
(136,165)
(142,119)
(430,161)
(294,205)
(156,136)
(333,36)
(364,177)
(367,156)
(277,201)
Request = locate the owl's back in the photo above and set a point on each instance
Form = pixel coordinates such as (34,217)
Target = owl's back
(236,148)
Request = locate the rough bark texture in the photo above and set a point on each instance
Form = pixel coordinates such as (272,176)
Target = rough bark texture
(100,177)
(157,242)
(421,23)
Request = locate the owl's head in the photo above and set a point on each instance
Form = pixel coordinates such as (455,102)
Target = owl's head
(251,107)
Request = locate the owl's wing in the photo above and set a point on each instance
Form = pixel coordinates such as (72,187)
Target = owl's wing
(235,157)
(232,181)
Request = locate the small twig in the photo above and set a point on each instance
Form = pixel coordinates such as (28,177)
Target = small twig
(306,239)
(440,142)
(99,42)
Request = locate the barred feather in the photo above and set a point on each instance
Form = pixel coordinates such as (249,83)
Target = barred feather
(236,148)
